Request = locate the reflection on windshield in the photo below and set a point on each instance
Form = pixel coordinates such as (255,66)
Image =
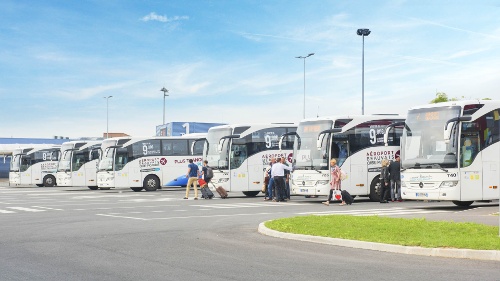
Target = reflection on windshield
(14,164)
(423,144)
(214,158)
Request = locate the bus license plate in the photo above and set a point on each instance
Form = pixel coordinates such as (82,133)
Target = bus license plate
(304,190)
(422,194)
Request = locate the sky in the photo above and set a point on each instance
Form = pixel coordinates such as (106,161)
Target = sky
(227,61)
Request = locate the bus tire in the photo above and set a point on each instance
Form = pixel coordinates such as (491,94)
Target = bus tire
(104,188)
(49,181)
(136,189)
(375,189)
(151,183)
(251,193)
(463,203)
(93,187)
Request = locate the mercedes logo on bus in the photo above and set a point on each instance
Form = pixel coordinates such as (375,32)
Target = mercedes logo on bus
(304,183)
(421,184)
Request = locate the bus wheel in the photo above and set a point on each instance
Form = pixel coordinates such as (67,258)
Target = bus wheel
(463,203)
(49,181)
(375,189)
(136,189)
(151,183)
(93,187)
(251,193)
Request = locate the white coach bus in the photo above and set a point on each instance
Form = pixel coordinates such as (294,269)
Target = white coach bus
(78,164)
(146,163)
(34,166)
(451,152)
(356,142)
(238,154)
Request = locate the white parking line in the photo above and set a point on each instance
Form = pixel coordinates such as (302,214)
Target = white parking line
(47,208)
(26,209)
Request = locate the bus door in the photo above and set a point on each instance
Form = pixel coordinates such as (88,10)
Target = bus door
(121,170)
(472,168)
(26,170)
(238,167)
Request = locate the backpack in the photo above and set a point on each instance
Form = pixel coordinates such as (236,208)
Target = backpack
(210,173)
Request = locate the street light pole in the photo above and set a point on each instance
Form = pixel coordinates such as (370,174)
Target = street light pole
(107,115)
(304,58)
(363,32)
(165,91)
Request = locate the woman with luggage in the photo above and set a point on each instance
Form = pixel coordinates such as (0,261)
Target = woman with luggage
(335,182)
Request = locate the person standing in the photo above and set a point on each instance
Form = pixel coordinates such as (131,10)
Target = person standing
(395,175)
(278,174)
(385,181)
(287,179)
(270,186)
(335,182)
(192,175)
(205,172)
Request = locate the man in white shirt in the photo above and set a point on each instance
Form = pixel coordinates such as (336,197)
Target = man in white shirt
(278,174)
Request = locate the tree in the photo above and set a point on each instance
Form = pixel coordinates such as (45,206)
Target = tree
(441,97)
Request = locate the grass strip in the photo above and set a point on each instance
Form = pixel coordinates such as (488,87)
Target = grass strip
(397,231)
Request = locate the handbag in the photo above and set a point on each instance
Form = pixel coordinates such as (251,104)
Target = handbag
(337,195)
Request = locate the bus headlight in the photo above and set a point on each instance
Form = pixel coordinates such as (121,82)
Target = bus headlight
(322,182)
(221,180)
(449,183)
(403,184)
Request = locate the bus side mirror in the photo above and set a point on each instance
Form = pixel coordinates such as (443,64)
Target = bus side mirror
(448,127)
(281,142)
(447,131)
(220,145)
(319,142)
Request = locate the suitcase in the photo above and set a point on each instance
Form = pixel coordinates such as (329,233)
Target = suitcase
(346,197)
(222,192)
(201,182)
(206,193)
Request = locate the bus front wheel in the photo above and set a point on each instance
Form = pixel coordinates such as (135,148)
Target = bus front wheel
(463,203)
(151,183)
(375,189)
(251,193)
(49,181)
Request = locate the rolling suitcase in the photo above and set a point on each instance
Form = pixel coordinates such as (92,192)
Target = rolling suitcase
(222,192)
(206,193)
(346,197)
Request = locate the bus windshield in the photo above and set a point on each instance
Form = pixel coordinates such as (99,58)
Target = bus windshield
(306,155)
(214,158)
(423,144)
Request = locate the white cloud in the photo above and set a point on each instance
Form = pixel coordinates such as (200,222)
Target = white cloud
(155,17)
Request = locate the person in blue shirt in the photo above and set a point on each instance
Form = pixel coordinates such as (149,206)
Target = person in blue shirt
(192,174)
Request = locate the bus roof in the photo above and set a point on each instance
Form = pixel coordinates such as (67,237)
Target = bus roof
(460,103)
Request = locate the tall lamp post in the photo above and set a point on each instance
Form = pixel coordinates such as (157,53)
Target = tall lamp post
(165,91)
(304,58)
(107,115)
(363,32)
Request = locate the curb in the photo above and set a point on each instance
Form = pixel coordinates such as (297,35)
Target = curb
(491,255)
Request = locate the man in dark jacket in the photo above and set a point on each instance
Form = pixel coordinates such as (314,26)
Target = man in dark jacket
(395,175)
